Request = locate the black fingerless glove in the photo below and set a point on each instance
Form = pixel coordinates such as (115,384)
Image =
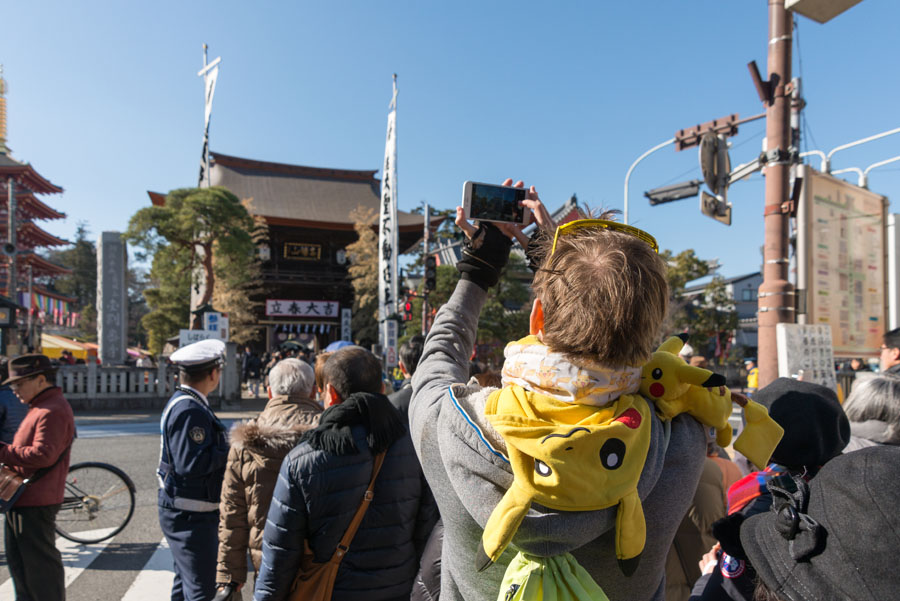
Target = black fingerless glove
(484,256)
(534,252)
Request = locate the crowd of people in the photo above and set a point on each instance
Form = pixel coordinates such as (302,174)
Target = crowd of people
(554,479)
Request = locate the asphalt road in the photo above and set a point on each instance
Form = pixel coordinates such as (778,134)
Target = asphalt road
(133,566)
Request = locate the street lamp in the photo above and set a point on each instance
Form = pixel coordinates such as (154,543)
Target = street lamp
(673,192)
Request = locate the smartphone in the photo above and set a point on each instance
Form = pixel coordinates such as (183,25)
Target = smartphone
(490,202)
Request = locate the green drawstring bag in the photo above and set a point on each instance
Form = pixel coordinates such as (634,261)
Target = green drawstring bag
(557,578)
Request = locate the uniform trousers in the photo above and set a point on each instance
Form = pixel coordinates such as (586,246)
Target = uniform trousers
(193,538)
(30,540)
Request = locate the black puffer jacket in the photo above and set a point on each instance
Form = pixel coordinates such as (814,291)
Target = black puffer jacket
(320,487)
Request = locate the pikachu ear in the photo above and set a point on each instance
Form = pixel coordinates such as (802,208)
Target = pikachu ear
(672,345)
(697,376)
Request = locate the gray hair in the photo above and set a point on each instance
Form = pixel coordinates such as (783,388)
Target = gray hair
(291,377)
(875,397)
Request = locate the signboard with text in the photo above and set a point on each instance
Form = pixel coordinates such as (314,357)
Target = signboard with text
(279,307)
(186,337)
(804,351)
(845,263)
(301,251)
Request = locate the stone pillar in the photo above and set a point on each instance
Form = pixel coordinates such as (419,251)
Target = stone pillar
(112,298)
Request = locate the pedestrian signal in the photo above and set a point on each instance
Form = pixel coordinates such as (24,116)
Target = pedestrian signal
(430,273)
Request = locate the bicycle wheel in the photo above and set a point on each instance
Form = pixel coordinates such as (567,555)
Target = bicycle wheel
(98,503)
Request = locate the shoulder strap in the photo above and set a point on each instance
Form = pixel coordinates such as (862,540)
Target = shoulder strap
(344,545)
(42,471)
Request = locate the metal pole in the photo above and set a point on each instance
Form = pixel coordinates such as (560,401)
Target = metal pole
(425,250)
(30,322)
(633,165)
(776,294)
(11,282)
(883,134)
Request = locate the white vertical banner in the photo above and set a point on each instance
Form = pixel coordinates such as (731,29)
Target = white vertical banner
(387,227)
(346,319)
(209,73)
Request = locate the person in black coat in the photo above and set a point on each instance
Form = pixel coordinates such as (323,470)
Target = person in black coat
(410,353)
(322,482)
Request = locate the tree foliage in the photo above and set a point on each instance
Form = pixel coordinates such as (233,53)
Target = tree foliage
(81,258)
(705,317)
(239,289)
(195,229)
(363,271)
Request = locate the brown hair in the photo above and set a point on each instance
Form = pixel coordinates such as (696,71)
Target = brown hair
(604,295)
(353,369)
(319,370)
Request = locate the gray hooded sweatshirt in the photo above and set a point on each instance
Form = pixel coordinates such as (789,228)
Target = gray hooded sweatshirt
(464,462)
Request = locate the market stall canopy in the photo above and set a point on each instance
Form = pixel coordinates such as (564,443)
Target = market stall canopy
(53,346)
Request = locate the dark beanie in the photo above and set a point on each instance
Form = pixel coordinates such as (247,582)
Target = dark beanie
(815,425)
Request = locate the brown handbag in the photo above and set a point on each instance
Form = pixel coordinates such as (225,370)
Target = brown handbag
(315,581)
(12,485)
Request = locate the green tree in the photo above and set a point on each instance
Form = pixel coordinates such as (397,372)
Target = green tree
(363,271)
(713,316)
(196,228)
(503,318)
(683,268)
(81,258)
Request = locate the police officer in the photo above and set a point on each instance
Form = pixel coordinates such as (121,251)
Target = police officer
(193,453)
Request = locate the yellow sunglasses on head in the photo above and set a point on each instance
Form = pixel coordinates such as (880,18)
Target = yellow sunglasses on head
(572,226)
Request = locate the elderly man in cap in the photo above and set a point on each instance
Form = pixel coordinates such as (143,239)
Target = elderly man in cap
(39,451)
(193,453)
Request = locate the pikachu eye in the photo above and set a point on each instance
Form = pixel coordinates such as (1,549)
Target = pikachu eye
(656,373)
(542,468)
(612,453)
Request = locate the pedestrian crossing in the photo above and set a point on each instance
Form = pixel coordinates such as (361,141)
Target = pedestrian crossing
(153,582)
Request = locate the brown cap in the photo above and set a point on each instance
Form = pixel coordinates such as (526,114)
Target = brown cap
(26,366)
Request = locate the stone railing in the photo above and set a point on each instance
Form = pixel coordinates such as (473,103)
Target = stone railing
(94,387)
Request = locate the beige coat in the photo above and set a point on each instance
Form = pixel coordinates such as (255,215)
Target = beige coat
(257,448)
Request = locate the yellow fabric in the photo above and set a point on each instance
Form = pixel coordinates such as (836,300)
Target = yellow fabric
(753,378)
(557,578)
(676,388)
(760,436)
(53,346)
(572,457)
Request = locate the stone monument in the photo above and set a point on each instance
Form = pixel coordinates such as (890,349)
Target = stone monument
(112,298)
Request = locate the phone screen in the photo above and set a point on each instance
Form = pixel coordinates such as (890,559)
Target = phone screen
(497,203)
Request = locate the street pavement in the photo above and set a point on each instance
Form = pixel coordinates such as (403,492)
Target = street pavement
(136,564)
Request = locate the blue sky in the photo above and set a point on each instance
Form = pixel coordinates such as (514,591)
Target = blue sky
(104,99)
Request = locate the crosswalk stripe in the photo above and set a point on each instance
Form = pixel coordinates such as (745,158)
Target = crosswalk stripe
(75,556)
(154,581)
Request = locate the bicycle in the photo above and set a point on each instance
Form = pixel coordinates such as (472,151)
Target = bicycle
(98,503)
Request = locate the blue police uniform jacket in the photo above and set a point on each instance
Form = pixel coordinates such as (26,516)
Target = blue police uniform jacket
(193,454)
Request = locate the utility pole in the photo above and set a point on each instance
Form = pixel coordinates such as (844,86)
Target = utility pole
(776,294)
(425,249)
(11,248)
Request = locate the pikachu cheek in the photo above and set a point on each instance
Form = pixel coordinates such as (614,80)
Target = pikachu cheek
(657,389)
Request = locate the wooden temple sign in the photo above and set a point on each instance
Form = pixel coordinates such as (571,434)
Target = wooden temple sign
(300,251)
(278,307)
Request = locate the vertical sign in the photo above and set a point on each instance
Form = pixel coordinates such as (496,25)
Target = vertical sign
(390,346)
(112,301)
(346,316)
(844,262)
(387,227)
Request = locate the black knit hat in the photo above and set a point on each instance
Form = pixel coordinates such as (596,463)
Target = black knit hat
(836,539)
(815,426)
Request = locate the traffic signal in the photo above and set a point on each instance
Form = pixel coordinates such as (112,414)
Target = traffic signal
(407,310)
(430,273)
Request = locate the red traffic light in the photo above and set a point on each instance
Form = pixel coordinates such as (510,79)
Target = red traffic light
(408,307)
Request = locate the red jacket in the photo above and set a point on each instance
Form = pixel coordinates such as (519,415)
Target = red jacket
(43,435)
